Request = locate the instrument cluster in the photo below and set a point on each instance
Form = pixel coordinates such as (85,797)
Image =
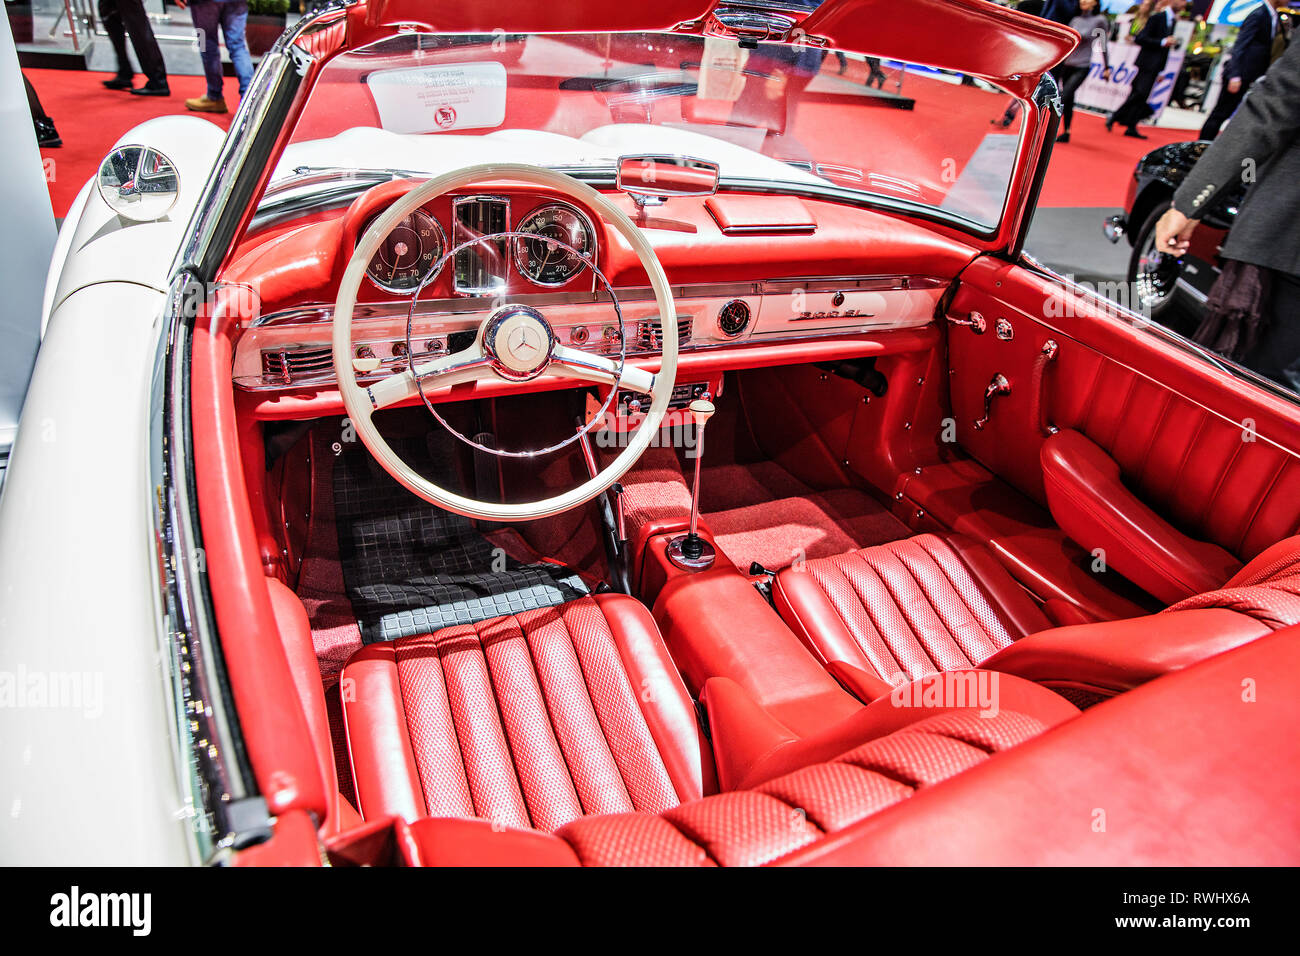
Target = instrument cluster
(553,244)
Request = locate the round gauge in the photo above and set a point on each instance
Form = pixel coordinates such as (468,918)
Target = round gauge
(734,317)
(407,255)
(546,263)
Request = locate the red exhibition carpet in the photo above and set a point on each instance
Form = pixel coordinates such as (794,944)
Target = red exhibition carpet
(1093,170)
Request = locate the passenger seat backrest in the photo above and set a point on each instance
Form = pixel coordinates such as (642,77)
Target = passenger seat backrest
(1267,589)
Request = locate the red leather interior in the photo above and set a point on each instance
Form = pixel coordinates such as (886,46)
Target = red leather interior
(909,608)
(716,624)
(964,496)
(959,788)
(1215,457)
(1116,656)
(760,825)
(280,746)
(751,746)
(295,635)
(530,720)
(1091,504)
(876,616)
(1152,778)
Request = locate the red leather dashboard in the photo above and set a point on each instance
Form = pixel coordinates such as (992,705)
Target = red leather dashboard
(304,264)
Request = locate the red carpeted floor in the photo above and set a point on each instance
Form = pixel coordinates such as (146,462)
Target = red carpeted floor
(1093,170)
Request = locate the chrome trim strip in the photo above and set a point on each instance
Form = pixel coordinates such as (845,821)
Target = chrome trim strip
(323,312)
(215,775)
(247,148)
(212,766)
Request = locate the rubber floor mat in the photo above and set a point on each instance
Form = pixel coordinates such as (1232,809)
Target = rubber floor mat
(411,568)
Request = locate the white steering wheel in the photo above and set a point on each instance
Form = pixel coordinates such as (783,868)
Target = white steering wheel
(514,342)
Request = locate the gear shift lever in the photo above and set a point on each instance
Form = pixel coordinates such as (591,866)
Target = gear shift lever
(689,551)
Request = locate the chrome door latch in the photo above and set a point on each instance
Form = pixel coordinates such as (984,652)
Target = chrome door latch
(998,386)
(975,322)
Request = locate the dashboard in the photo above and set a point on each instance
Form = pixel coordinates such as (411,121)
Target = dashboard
(746,271)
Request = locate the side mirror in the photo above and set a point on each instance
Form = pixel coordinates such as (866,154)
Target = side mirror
(138,183)
(652,179)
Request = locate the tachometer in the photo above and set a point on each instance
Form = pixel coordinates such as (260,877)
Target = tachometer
(545,263)
(408,254)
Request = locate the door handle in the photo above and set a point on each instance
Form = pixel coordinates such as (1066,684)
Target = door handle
(1044,361)
(998,386)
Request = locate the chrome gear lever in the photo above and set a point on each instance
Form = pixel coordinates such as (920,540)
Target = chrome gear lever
(689,551)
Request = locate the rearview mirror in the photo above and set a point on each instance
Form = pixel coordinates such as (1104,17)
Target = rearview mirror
(652,179)
(138,183)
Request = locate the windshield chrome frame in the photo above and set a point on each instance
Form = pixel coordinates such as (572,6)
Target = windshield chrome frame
(227,808)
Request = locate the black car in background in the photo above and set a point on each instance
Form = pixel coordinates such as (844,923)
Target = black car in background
(1172,290)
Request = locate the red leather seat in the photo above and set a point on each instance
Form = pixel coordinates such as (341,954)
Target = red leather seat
(531,720)
(912,607)
(932,603)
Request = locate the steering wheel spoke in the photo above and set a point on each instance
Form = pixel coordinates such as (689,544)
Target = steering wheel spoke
(585,366)
(467,365)
(516,343)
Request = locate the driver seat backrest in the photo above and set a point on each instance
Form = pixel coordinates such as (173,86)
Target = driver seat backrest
(530,720)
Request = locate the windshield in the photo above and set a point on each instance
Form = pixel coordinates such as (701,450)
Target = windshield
(775,117)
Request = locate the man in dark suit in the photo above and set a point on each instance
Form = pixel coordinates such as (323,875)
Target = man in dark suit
(1251,54)
(1059,11)
(1262,143)
(1155,39)
(122,17)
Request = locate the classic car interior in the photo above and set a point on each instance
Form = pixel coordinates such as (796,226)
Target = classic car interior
(603,510)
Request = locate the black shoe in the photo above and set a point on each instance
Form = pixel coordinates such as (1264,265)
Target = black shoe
(150,90)
(120,82)
(1063,138)
(1132,133)
(1110,122)
(46,135)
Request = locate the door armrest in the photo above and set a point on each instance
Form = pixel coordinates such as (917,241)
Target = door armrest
(1091,504)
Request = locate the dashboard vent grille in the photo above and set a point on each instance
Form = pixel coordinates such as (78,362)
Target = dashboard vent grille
(650,334)
(287,366)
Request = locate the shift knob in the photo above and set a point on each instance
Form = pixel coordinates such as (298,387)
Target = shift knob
(701,411)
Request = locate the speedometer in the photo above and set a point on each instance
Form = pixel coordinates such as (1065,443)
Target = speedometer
(546,263)
(408,254)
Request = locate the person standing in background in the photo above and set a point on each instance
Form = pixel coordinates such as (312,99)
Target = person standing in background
(1141,14)
(1254,307)
(119,18)
(47,137)
(1259,42)
(232,18)
(1155,39)
(1060,11)
(1091,24)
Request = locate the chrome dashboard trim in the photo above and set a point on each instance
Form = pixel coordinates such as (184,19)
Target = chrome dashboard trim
(323,312)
